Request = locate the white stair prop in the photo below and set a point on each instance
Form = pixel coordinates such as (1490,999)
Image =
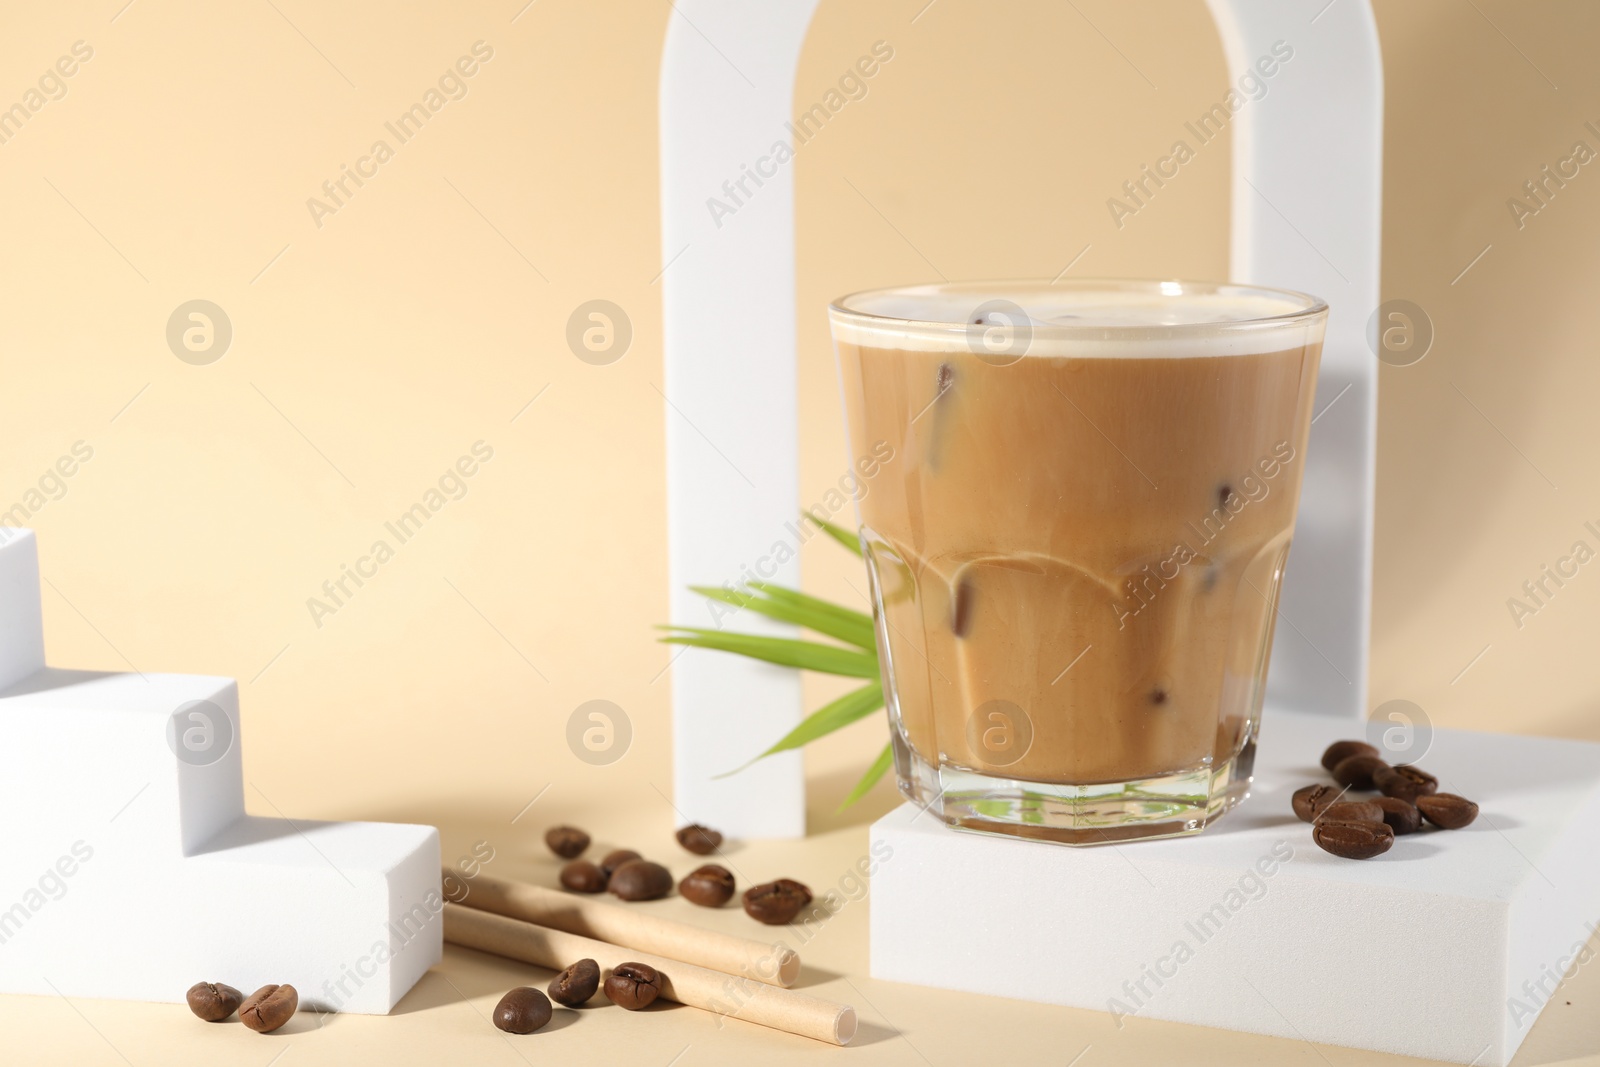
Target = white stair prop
(1307,182)
(130,870)
(1446,947)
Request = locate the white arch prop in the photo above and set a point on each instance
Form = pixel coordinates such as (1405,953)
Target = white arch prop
(1306,188)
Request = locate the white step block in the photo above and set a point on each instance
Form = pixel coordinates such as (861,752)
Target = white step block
(107,734)
(130,869)
(1446,947)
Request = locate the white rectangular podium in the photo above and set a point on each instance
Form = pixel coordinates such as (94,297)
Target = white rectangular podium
(1446,947)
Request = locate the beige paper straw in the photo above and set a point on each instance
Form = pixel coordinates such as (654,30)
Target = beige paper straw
(698,987)
(763,961)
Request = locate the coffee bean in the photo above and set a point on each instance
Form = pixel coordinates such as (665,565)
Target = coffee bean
(576,984)
(633,986)
(269,1008)
(1351,811)
(1447,811)
(581,876)
(568,842)
(701,840)
(1341,750)
(1353,840)
(1309,801)
(710,886)
(1356,771)
(1401,815)
(615,859)
(213,1001)
(522,1011)
(640,880)
(776,903)
(1405,781)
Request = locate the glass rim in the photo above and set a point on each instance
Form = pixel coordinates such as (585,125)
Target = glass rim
(1306,309)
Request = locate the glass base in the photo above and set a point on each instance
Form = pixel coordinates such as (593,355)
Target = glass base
(1173,805)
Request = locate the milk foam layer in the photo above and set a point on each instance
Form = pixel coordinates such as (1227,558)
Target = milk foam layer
(1081,319)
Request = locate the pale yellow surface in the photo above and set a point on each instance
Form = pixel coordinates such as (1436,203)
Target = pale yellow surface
(422,317)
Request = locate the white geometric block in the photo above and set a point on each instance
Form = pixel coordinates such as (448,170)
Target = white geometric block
(1446,947)
(132,871)
(21,621)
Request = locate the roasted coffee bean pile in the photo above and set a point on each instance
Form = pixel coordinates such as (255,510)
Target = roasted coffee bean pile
(632,986)
(1358,828)
(630,876)
(262,1011)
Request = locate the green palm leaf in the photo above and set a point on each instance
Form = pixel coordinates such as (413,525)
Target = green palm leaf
(856,704)
(794,596)
(786,605)
(786,652)
(845,537)
(831,620)
(870,779)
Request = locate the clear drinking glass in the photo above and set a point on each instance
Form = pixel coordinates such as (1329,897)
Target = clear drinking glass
(1076,544)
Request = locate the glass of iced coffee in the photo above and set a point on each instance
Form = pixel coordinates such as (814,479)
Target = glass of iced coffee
(1076,547)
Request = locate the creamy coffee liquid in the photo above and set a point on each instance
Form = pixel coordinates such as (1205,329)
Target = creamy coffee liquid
(1078,548)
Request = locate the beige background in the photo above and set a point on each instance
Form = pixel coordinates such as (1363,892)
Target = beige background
(372,351)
